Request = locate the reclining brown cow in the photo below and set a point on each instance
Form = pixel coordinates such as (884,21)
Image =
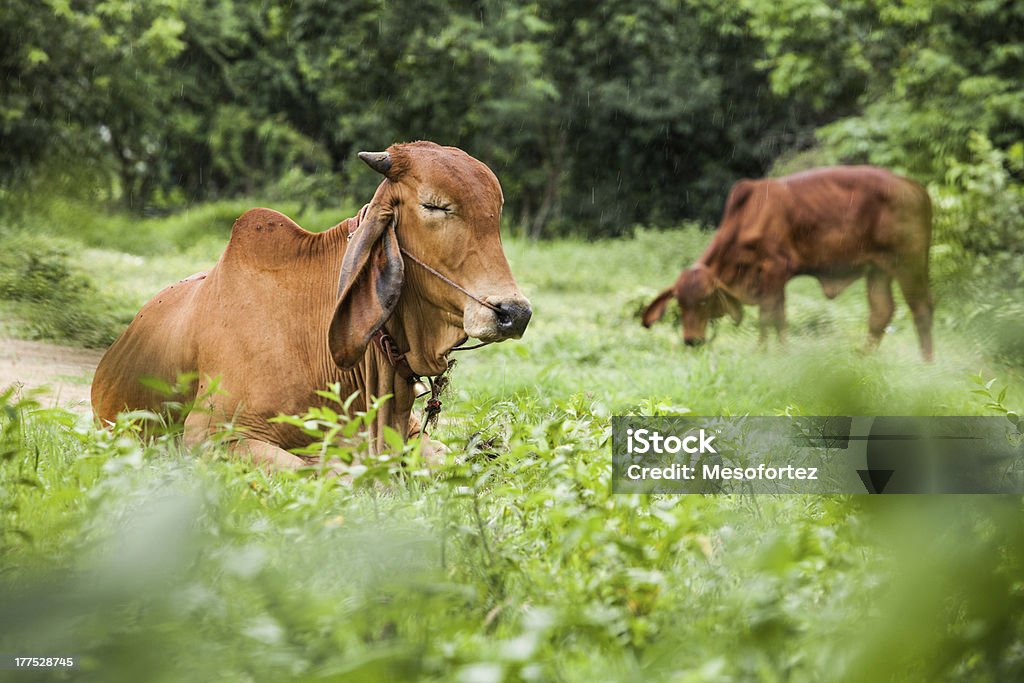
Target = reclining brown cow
(836,224)
(286,312)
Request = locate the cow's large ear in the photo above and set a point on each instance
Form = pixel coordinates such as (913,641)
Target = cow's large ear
(656,309)
(372,272)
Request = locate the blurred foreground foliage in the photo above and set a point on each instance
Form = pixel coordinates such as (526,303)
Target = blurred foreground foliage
(512,562)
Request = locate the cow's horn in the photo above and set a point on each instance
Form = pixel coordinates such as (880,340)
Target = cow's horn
(378,161)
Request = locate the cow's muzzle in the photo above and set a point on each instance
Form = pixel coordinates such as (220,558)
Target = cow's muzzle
(500,319)
(513,318)
(693,341)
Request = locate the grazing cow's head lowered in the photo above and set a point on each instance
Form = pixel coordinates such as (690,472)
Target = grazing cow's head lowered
(702,297)
(427,257)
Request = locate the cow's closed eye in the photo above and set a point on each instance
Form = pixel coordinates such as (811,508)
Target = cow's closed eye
(444,208)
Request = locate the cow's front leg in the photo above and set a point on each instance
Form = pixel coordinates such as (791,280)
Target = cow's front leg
(203,422)
(432,450)
(272,458)
(265,455)
(763,323)
(772,314)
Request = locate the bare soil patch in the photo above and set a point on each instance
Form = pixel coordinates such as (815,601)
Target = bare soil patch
(64,371)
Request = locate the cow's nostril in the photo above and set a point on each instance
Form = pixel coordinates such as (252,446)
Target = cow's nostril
(512,318)
(693,341)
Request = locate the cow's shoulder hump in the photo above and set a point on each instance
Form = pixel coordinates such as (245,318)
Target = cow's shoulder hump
(265,238)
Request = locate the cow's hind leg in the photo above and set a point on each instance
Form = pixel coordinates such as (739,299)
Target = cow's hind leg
(915,290)
(881,304)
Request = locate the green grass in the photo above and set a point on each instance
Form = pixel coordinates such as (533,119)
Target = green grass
(513,562)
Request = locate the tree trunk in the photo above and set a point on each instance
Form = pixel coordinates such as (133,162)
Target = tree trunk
(551,186)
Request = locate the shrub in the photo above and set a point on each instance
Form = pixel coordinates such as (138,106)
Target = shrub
(980,206)
(55,300)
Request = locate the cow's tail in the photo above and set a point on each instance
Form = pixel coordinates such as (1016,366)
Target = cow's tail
(656,309)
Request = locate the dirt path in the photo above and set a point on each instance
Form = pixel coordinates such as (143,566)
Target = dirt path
(65,370)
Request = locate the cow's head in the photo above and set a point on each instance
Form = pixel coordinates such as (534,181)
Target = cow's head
(702,297)
(443,207)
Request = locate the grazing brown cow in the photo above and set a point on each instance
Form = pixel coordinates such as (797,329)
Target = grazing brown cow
(373,303)
(836,224)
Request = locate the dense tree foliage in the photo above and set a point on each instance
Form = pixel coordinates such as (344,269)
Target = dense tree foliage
(934,89)
(597,116)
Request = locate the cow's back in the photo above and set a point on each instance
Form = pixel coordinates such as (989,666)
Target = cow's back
(157,343)
(855,215)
